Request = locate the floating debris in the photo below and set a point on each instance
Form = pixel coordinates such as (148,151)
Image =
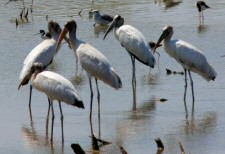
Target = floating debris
(122,150)
(94,143)
(161,99)
(77,148)
(80,12)
(181,148)
(159,144)
(46,17)
(168,72)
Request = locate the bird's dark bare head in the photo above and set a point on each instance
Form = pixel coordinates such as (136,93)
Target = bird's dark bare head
(168,30)
(42,31)
(118,21)
(71,25)
(53,27)
(153,45)
(166,34)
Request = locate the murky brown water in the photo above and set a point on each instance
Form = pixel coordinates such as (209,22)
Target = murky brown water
(202,132)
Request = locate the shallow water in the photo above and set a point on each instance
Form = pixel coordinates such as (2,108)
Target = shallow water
(202,132)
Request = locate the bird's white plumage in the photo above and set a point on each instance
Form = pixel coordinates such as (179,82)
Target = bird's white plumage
(135,43)
(43,53)
(56,87)
(190,58)
(97,65)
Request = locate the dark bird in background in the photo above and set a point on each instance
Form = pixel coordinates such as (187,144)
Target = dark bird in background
(201,5)
(44,35)
(99,19)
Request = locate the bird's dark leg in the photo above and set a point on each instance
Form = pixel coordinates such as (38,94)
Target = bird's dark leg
(185,91)
(31,119)
(92,133)
(53,117)
(31,87)
(192,89)
(47,118)
(134,83)
(185,86)
(96,81)
(49,105)
(91,98)
(61,121)
(99,109)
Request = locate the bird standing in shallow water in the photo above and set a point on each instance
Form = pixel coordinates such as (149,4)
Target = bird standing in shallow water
(99,19)
(56,87)
(188,56)
(42,53)
(201,5)
(92,61)
(134,42)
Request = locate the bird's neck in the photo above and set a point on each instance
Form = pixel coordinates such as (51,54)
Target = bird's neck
(33,76)
(55,36)
(74,41)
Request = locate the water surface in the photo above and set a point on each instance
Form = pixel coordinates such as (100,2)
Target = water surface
(202,132)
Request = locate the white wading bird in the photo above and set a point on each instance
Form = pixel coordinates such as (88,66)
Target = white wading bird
(201,5)
(104,19)
(135,44)
(92,61)
(42,53)
(56,87)
(190,58)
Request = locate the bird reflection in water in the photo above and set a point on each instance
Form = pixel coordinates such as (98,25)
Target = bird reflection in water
(201,126)
(33,140)
(202,28)
(98,29)
(168,3)
(143,111)
(150,79)
(141,117)
(78,80)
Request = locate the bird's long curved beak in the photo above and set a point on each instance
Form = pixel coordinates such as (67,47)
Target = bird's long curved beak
(37,34)
(113,23)
(61,37)
(158,43)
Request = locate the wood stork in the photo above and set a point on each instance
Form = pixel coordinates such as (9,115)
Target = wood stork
(134,42)
(188,56)
(56,87)
(92,61)
(201,5)
(44,35)
(43,53)
(104,19)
